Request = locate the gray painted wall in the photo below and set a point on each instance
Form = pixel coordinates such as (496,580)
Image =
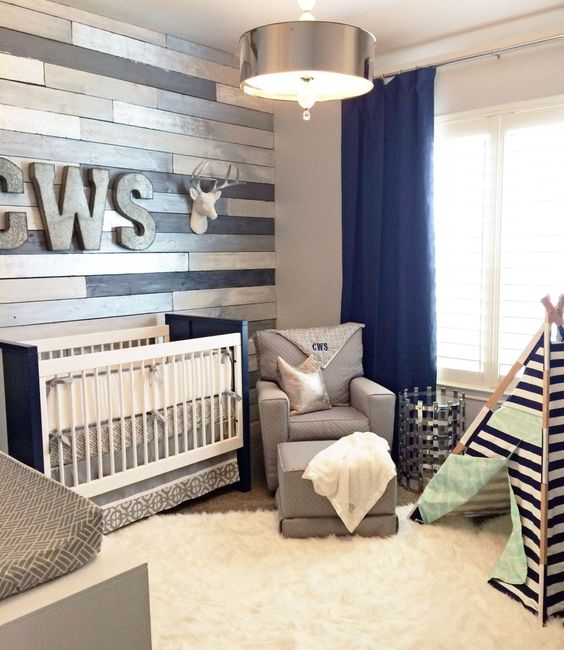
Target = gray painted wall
(81,89)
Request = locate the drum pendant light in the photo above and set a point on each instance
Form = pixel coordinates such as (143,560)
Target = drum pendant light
(306,61)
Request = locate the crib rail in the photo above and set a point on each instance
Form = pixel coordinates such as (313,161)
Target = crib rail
(120,416)
(60,347)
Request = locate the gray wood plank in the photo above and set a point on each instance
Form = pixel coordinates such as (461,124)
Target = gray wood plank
(161,120)
(256,173)
(231,261)
(21,69)
(94,20)
(246,208)
(181,242)
(127,284)
(40,147)
(47,330)
(259,325)
(55,265)
(55,101)
(35,289)
(213,110)
(256,312)
(222,297)
(95,85)
(146,138)
(202,51)
(33,22)
(28,120)
(57,311)
(173,222)
(179,184)
(235,96)
(135,50)
(98,62)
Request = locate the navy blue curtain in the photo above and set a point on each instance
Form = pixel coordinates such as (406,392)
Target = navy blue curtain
(388,239)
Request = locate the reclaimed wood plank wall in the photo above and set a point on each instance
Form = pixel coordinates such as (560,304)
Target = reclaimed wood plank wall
(77,88)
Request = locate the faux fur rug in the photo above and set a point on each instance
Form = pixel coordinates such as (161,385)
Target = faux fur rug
(229,580)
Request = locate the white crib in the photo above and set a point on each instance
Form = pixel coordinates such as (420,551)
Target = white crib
(132,419)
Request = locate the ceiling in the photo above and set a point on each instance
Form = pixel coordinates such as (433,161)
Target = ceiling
(396,24)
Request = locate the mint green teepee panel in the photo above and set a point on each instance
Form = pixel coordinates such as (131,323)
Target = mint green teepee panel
(457,481)
(521,424)
(512,565)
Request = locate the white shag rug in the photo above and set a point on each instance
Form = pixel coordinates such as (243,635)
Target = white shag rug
(230,580)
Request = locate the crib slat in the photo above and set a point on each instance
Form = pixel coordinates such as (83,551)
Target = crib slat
(144,418)
(184,400)
(155,411)
(85,421)
(132,417)
(202,401)
(110,422)
(238,382)
(211,393)
(220,391)
(174,405)
(122,420)
(194,400)
(59,441)
(98,427)
(73,435)
(164,392)
(230,402)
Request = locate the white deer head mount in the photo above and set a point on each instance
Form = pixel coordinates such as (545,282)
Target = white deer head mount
(203,203)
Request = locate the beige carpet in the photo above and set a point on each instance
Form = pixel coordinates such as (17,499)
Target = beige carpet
(231,581)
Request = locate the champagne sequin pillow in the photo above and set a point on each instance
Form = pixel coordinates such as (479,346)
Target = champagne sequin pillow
(304,386)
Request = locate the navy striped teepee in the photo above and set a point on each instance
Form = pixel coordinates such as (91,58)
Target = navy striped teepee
(512,459)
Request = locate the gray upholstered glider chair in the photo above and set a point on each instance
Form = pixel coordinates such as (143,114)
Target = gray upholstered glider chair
(357,403)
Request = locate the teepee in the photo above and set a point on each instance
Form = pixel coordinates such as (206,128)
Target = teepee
(511,459)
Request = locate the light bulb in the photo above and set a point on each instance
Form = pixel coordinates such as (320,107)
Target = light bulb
(306,6)
(306,96)
(306,115)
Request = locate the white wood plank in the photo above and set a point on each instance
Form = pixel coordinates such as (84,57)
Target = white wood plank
(235,96)
(54,101)
(21,19)
(95,85)
(94,20)
(222,297)
(231,261)
(28,120)
(250,208)
(247,312)
(161,120)
(33,313)
(18,68)
(33,289)
(55,265)
(252,173)
(30,332)
(129,48)
(149,139)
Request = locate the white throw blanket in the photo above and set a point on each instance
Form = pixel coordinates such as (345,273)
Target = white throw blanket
(353,474)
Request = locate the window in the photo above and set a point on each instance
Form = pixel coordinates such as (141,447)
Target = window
(499,223)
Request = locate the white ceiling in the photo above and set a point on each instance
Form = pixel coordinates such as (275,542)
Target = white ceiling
(396,24)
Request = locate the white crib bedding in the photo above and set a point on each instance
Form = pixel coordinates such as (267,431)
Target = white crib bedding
(196,414)
(83,400)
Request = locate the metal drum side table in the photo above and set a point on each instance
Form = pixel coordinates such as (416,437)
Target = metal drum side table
(430,425)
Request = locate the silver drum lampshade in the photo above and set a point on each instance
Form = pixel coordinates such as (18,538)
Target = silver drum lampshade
(307,61)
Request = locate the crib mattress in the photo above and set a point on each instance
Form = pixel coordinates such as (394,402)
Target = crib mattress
(45,529)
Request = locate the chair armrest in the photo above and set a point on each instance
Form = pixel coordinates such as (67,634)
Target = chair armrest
(274,409)
(377,403)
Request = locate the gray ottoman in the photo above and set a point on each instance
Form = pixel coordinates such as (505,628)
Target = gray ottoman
(303,513)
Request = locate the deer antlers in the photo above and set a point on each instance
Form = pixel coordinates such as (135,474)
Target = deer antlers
(197,177)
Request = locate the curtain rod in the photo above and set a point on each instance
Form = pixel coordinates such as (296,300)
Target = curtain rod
(470,57)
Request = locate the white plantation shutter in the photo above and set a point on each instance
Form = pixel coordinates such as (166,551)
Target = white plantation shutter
(499,224)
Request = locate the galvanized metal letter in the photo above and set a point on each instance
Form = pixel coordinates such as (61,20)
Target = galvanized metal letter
(15,232)
(60,223)
(143,234)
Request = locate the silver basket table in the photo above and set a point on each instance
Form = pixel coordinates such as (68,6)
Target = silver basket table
(430,425)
